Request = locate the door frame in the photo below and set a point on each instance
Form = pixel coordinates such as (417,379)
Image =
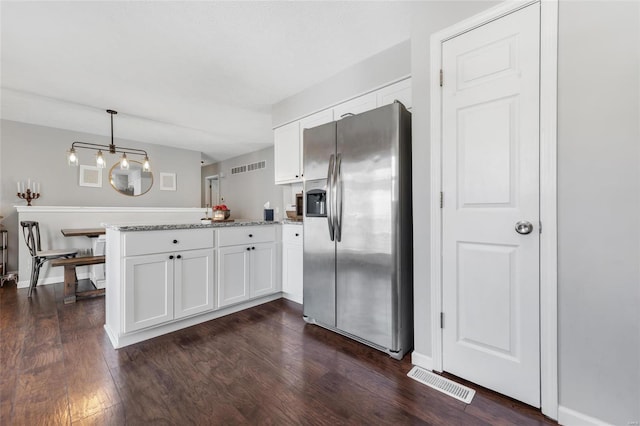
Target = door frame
(548,189)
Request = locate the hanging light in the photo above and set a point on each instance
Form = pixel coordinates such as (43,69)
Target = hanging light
(100,160)
(72,156)
(145,164)
(124,163)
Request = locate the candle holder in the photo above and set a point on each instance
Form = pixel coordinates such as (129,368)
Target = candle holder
(28,195)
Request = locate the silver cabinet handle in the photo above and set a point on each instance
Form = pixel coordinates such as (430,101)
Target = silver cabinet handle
(347,114)
(524,227)
(338,197)
(329,198)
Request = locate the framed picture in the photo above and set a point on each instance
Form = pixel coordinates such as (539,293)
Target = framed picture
(91,176)
(167,181)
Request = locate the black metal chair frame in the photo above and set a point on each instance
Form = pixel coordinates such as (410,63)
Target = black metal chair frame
(31,234)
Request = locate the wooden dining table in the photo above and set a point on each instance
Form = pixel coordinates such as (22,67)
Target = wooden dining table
(71,291)
(83,232)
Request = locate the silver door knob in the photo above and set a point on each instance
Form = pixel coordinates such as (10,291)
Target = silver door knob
(524,227)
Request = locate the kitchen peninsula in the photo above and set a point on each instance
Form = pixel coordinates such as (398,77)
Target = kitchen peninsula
(162,278)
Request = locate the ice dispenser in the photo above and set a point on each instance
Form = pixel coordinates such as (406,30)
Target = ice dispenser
(316,203)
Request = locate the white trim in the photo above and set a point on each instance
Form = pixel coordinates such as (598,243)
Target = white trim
(548,208)
(80,209)
(569,417)
(422,360)
(548,187)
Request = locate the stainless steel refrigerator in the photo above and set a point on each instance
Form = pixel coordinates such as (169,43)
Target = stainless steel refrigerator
(358,257)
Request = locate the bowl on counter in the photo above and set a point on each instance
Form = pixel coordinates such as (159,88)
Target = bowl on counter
(221,214)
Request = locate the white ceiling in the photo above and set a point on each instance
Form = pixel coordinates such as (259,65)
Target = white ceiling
(196,75)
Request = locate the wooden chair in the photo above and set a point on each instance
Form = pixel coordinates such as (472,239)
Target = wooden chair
(31,233)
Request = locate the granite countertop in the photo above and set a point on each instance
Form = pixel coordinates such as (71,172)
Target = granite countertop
(291,221)
(162,227)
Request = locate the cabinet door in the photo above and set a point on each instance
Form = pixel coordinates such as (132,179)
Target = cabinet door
(400,91)
(148,291)
(193,288)
(263,269)
(292,272)
(233,274)
(313,120)
(286,141)
(356,106)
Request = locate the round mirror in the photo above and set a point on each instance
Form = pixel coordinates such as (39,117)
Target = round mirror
(132,181)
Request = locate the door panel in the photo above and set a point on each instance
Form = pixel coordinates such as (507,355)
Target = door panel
(490,180)
(194,282)
(263,261)
(233,275)
(319,145)
(364,266)
(148,291)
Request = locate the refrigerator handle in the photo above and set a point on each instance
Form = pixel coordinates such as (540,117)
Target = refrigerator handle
(329,200)
(338,197)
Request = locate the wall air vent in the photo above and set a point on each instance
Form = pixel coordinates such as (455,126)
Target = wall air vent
(249,167)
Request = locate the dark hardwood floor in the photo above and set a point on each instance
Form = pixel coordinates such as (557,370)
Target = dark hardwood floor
(260,366)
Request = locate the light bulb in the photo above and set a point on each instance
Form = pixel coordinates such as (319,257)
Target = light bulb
(124,163)
(145,165)
(100,160)
(72,158)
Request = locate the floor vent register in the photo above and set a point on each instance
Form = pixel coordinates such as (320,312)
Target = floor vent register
(441,384)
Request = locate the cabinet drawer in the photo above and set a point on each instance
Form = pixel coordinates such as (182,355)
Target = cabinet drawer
(292,234)
(246,235)
(136,243)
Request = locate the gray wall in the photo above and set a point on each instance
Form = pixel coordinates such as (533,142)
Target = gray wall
(246,193)
(39,153)
(389,65)
(598,199)
(428,18)
(599,209)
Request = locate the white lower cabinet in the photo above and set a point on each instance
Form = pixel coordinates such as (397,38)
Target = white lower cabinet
(233,275)
(246,271)
(193,285)
(159,281)
(167,286)
(148,291)
(292,269)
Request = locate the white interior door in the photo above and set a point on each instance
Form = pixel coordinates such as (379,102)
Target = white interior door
(490,181)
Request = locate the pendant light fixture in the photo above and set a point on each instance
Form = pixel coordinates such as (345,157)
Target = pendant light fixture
(72,155)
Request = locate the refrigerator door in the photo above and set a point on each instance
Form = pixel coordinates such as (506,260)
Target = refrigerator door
(319,145)
(367,185)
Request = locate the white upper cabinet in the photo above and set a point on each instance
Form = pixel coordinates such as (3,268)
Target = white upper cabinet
(356,106)
(400,91)
(287,153)
(288,139)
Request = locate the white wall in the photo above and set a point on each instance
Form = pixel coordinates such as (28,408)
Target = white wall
(245,193)
(39,153)
(599,209)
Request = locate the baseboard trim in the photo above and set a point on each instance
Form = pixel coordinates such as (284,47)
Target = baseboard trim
(421,360)
(569,417)
(51,280)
